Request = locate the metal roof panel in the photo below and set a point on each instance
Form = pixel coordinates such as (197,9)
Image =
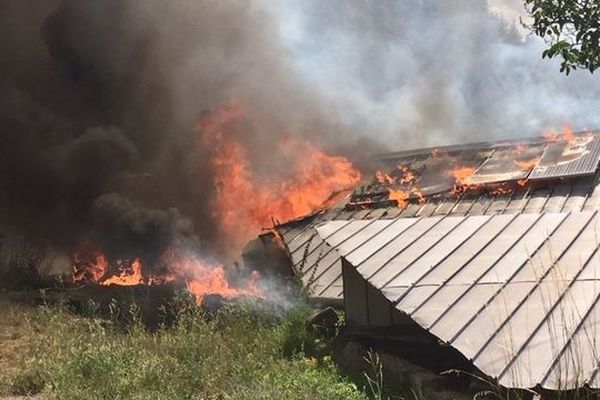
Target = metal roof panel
(517,294)
(576,157)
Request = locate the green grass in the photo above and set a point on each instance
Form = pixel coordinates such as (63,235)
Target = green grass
(237,354)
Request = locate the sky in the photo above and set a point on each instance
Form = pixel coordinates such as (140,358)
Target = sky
(418,73)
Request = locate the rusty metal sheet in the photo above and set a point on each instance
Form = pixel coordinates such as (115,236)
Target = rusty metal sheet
(575,157)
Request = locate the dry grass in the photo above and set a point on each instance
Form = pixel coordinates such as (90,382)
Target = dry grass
(15,338)
(237,354)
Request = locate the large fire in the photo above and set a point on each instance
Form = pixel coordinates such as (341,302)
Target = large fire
(245,203)
(403,182)
(198,276)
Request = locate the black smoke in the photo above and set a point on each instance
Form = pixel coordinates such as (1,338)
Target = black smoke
(99,109)
(100,101)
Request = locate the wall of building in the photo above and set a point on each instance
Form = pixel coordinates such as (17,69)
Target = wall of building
(364,305)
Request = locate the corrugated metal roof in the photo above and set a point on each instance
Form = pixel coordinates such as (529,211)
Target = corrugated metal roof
(504,165)
(580,156)
(518,294)
(322,268)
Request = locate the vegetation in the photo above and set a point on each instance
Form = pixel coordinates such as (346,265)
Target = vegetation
(234,354)
(572,30)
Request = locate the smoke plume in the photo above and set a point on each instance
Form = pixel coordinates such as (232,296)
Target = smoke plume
(100,100)
(100,103)
(427,72)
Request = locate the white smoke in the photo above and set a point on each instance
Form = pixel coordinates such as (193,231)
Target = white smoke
(432,72)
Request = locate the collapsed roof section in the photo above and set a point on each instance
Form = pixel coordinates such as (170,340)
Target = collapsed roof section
(517,294)
(539,175)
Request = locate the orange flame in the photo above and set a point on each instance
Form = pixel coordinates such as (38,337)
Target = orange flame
(128,276)
(245,203)
(204,278)
(89,267)
(527,165)
(95,268)
(408,175)
(400,196)
(501,189)
(201,278)
(566,135)
(462,174)
(384,178)
(214,282)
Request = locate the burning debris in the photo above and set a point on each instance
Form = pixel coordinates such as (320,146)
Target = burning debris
(502,170)
(133,163)
(186,270)
(254,199)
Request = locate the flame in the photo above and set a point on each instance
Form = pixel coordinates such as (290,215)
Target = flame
(214,282)
(129,275)
(95,268)
(204,278)
(419,194)
(245,199)
(408,175)
(462,174)
(527,165)
(501,189)
(461,177)
(244,203)
(89,268)
(384,178)
(400,196)
(200,277)
(566,135)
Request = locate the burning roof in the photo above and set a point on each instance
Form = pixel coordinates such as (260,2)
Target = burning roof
(491,247)
(487,178)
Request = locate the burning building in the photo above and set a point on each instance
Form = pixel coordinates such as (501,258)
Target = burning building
(490,248)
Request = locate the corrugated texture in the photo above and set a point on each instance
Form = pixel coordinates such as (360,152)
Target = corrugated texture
(505,165)
(322,267)
(578,157)
(518,294)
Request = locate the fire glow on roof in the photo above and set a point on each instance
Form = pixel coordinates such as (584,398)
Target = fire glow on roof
(499,168)
(321,265)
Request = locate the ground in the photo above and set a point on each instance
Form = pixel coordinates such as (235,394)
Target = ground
(49,352)
(15,338)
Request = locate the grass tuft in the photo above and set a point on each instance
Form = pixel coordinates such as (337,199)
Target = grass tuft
(236,353)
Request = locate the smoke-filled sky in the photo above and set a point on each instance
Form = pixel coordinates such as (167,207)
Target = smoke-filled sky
(100,99)
(429,72)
